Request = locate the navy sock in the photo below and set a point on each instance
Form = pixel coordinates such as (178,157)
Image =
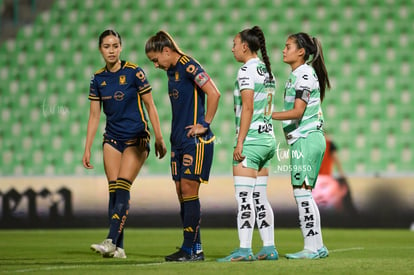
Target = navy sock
(111,202)
(120,210)
(182,212)
(191,221)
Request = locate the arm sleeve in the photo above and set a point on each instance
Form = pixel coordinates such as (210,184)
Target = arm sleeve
(303,87)
(142,83)
(94,93)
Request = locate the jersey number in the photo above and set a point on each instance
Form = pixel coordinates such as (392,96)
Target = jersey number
(268,108)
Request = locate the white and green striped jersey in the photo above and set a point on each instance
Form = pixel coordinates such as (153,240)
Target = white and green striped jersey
(303,83)
(254,76)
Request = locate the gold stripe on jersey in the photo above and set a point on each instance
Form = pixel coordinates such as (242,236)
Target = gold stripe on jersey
(100,70)
(94,97)
(142,114)
(199,158)
(195,104)
(184,59)
(130,65)
(145,90)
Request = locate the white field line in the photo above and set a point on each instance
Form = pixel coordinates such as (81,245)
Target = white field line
(346,249)
(73,267)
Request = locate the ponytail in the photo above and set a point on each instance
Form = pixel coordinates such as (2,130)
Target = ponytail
(313,47)
(161,39)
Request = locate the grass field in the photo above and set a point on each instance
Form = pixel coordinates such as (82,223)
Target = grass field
(352,251)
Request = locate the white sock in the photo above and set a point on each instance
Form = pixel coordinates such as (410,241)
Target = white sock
(318,238)
(264,212)
(246,213)
(309,219)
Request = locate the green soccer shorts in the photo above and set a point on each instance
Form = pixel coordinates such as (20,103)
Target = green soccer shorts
(306,156)
(258,156)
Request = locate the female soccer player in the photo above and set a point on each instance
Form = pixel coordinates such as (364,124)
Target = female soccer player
(122,89)
(255,145)
(191,137)
(302,122)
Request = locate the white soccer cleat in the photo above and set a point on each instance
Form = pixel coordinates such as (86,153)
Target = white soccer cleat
(120,253)
(106,248)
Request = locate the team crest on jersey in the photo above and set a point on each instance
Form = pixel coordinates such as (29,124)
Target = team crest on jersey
(118,95)
(177,76)
(261,71)
(140,75)
(122,80)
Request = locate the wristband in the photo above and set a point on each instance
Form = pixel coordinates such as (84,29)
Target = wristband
(205,124)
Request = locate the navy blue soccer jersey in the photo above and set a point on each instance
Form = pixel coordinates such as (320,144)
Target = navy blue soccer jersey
(120,94)
(185,80)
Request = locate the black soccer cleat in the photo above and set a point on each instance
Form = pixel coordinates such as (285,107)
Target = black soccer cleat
(182,256)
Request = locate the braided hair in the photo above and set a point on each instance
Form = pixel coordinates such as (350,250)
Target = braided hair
(255,40)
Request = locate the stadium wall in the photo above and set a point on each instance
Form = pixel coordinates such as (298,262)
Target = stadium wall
(62,202)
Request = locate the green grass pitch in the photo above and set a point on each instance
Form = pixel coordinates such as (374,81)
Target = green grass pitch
(352,251)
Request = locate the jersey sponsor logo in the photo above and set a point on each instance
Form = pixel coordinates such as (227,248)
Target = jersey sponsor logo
(174,94)
(201,79)
(244,81)
(119,96)
(122,80)
(265,128)
(305,76)
(103,83)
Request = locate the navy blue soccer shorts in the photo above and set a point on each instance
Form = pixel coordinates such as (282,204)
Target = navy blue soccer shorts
(192,160)
(142,141)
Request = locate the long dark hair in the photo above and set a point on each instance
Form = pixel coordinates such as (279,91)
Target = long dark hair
(107,33)
(255,39)
(313,47)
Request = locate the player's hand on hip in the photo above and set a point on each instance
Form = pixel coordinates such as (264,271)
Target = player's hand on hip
(195,130)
